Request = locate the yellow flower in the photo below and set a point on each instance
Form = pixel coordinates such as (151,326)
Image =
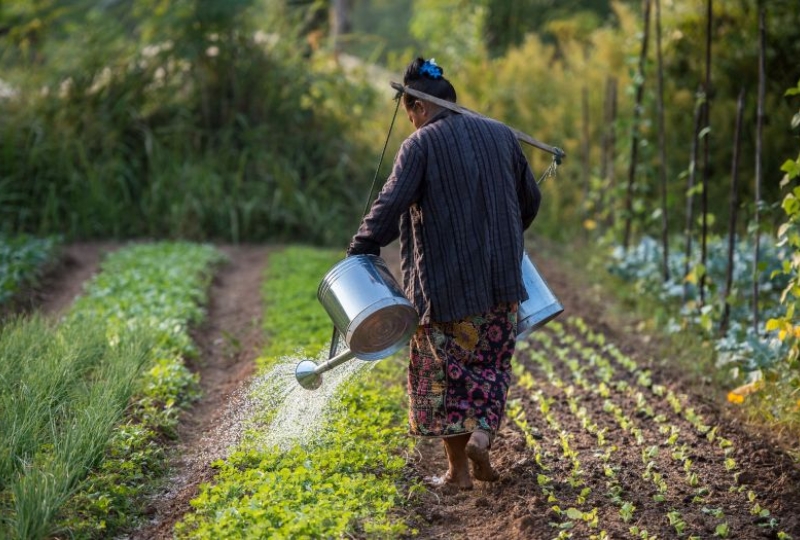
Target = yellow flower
(735,398)
(737,395)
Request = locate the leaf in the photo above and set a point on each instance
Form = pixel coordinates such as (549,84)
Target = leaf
(791,167)
(574,513)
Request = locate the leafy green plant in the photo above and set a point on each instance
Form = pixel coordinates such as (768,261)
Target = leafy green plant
(23,258)
(344,481)
(789,236)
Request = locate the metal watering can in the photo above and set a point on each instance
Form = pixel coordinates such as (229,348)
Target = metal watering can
(368,310)
(375,319)
(541,306)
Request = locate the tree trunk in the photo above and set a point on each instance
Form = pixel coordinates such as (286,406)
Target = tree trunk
(762,43)
(637,112)
(340,21)
(706,151)
(662,146)
(726,311)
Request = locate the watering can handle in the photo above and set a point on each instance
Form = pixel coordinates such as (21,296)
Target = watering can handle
(334,343)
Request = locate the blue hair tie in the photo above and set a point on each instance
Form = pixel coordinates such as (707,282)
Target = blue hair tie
(430,69)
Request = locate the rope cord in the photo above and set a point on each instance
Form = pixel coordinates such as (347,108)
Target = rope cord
(338,343)
(383,153)
(551,171)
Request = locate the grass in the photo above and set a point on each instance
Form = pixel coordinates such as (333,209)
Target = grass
(63,391)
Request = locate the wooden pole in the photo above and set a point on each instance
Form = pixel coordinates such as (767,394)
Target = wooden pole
(637,112)
(690,190)
(585,148)
(662,147)
(609,147)
(762,43)
(706,157)
(734,208)
(557,152)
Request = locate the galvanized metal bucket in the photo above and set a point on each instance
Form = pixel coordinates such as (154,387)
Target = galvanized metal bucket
(367,307)
(541,306)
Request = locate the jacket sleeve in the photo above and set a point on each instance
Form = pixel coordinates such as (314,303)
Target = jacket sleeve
(381,225)
(528,193)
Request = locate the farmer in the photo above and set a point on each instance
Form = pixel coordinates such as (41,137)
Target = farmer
(459,197)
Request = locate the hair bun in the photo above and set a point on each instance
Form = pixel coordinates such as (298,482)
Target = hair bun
(430,69)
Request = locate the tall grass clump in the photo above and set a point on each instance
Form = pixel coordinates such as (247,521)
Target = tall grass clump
(63,390)
(195,122)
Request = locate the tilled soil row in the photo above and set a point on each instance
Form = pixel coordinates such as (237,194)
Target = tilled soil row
(517,506)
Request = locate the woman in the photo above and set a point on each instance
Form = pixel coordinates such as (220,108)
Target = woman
(460,195)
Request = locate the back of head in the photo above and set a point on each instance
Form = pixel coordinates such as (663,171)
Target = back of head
(426,76)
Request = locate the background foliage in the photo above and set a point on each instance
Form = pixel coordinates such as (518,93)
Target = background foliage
(251,120)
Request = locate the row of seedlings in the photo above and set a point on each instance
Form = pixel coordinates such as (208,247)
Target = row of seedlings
(586,365)
(87,400)
(336,468)
(679,404)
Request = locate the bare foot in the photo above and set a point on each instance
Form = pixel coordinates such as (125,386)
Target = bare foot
(447,481)
(478,452)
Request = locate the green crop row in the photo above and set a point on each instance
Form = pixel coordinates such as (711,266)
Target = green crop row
(85,401)
(341,481)
(22,260)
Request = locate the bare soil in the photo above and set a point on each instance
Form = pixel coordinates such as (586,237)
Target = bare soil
(514,507)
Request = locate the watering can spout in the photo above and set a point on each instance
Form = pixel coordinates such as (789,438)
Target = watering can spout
(309,374)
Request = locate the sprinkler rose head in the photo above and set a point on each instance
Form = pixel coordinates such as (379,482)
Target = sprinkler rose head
(306,375)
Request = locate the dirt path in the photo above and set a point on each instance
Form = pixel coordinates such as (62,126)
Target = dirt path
(62,284)
(229,342)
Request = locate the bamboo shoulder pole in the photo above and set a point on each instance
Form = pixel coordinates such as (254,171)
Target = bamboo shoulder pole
(524,137)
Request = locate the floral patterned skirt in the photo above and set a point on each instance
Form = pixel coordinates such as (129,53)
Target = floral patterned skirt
(459,373)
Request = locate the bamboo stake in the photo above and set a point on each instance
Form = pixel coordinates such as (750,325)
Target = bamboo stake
(734,201)
(762,42)
(557,152)
(637,113)
(662,147)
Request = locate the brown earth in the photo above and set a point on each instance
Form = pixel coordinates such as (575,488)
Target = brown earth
(514,507)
